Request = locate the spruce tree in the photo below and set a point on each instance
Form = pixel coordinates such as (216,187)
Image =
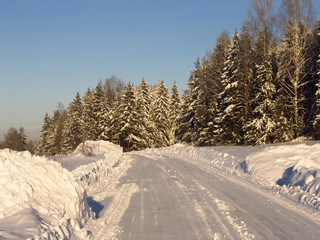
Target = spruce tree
(203,105)
(262,125)
(187,117)
(174,113)
(160,115)
(42,148)
(144,114)
(100,114)
(131,131)
(88,117)
(72,132)
(260,130)
(230,118)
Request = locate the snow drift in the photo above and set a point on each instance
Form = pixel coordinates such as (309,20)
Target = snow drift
(38,197)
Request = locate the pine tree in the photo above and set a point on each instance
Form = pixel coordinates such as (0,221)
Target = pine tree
(72,132)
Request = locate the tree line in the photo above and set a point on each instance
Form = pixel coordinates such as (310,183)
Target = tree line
(135,117)
(259,86)
(17,140)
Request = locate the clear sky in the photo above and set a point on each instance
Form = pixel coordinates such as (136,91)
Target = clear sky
(49,50)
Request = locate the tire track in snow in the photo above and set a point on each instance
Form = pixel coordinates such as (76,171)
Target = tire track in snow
(203,209)
(112,216)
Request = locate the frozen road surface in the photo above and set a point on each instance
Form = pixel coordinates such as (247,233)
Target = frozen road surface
(168,197)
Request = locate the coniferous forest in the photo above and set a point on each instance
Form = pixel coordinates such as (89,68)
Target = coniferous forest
(258,85)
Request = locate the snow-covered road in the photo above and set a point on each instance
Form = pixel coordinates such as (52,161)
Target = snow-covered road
(174,198)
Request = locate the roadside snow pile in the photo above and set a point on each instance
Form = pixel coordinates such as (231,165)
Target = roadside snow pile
(39,199)
(92,161)
(292,169)
(89,152)
(295,167)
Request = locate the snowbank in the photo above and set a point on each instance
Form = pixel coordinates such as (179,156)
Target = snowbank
(292,169)
(89,152)
(92,161)
(38,197)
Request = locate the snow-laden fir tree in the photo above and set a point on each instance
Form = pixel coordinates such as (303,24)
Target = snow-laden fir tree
(131,133)
(100,113)
(186,120)
(262,125)
(261,128)
(72,132)
(230,119)
(174,113)
(42,148)
(51,138)
(204,90)
(56,137)
(160,114)
(88,118)
(147,127)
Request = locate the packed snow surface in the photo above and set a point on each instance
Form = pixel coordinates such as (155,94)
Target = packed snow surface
(292,169)
(38,197)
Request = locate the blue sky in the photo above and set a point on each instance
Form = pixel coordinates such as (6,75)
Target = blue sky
(49,50)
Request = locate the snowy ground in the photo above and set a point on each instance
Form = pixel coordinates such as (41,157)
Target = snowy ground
(164,193)
(291,169)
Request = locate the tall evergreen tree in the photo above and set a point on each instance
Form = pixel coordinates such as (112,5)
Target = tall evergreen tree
(56,131)
(186,121)
(130,134)
(100,114)
(160,114)
(204,90)
(261,127)
(88,117)
(147,127)
(42,148)
(174,112)
(72,132)
(231,114)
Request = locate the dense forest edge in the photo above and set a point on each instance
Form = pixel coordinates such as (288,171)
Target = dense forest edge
(259,86)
